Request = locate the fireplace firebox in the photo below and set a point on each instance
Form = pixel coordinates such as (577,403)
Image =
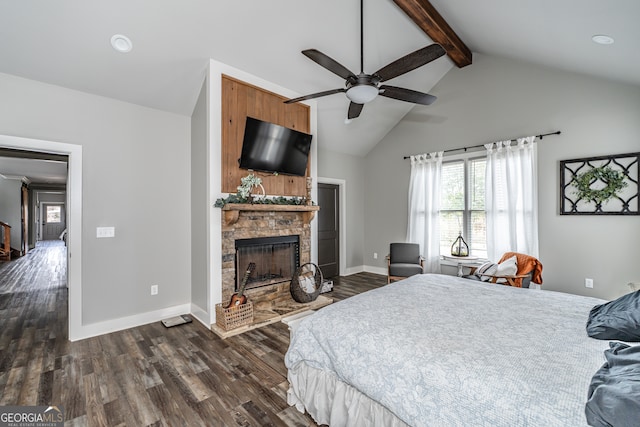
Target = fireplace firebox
(276,259)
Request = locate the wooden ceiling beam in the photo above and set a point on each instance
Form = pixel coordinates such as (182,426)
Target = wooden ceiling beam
(433,24)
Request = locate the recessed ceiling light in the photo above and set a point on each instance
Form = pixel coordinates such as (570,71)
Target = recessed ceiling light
(602,39)
(121,43)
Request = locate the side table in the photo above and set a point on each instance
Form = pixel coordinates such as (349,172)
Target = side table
(461,262)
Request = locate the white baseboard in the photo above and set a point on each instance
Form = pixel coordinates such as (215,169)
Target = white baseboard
(108,326)
(376,270)
(365,268)
(200,315)
(353,270)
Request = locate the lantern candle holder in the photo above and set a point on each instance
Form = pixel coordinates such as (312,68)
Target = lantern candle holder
(460,247)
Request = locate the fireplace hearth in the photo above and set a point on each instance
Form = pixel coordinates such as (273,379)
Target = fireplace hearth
(271,299)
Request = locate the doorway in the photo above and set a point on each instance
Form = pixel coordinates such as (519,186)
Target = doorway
(53,221)
(329,229)
(73,204)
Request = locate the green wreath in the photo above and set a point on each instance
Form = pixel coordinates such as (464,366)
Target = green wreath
(613,179)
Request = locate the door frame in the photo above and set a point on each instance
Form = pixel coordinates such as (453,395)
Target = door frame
(342,217)
(74,219)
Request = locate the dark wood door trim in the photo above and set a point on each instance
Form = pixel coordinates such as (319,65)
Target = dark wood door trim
(24,212)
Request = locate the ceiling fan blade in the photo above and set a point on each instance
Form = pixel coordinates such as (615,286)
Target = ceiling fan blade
(328,63)
(410,62)
(354,110)
(407,95)
(314,95)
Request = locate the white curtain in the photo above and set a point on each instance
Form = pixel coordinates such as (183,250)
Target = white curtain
(424,207)
(511,198)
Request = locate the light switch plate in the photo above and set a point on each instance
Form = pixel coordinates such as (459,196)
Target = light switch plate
(105,232)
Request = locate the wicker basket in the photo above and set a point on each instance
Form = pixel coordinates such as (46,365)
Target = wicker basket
(306,283)
(231,318)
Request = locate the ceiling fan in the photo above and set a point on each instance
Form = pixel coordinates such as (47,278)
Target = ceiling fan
(363,88)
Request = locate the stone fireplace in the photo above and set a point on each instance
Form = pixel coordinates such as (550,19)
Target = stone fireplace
(275,259)
(275,237)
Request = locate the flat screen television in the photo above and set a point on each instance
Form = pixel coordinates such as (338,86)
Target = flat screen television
(268,147)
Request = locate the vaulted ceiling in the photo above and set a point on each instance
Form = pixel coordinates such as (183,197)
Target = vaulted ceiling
(67,43)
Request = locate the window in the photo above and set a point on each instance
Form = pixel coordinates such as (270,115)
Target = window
(462,204)
(54,214)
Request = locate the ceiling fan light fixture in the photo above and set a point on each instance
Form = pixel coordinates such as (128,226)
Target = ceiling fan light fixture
(361,94)
(363,87)
(602,39)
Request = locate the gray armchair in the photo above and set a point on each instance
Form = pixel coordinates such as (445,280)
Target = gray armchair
(404,260)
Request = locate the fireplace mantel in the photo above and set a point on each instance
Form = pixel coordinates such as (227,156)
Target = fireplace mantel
(231,211)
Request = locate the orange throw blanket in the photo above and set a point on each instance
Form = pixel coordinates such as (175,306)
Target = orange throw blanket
(526,264)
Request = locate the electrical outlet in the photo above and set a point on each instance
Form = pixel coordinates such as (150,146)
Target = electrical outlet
(588,283)
(375,255)
(154,289)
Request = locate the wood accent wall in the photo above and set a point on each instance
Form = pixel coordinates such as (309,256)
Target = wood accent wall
(239,100)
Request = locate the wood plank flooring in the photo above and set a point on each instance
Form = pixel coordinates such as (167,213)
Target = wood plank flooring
(144,376)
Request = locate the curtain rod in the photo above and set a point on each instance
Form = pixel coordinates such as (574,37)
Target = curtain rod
(482,145)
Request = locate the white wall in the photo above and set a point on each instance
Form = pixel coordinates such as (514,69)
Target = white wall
(10,208)
(135,178)
(495,99)
(199,209)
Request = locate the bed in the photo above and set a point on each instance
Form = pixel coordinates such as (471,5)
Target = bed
(437,350)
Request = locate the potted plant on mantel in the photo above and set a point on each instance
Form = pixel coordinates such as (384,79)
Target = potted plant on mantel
(244,195)
(248,183)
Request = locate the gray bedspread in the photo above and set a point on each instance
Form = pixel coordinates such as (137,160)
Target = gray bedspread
(438,350)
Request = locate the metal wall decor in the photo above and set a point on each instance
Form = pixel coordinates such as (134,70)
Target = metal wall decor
(605,185)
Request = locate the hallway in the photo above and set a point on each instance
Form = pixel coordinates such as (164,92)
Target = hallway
(33,315)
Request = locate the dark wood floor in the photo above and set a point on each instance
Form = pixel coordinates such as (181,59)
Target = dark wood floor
(145,376)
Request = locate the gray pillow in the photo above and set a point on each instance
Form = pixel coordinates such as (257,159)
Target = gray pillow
(614,389)
(616,320)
